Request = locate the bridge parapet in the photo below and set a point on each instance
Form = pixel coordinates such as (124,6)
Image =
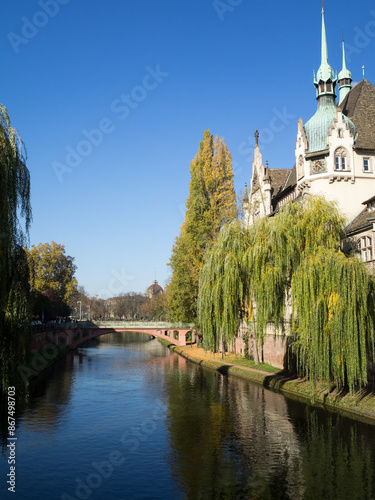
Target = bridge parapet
(125,324)
(77,333)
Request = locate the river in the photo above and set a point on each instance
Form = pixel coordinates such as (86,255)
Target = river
(123,418)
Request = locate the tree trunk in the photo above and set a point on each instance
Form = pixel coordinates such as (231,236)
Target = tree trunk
(255,344)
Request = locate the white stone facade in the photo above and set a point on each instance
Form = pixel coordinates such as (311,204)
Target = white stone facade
(338,173)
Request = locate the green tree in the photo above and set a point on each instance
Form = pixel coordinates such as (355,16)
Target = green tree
(14,208)
(211,204)
(52,274)
(155,308)
(249,273)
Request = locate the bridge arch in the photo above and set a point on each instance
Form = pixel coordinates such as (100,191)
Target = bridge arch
(77,333)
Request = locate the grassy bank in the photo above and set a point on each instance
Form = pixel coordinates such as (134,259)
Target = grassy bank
(360,406)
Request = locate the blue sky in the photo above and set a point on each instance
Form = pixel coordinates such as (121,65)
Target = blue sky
(112,98)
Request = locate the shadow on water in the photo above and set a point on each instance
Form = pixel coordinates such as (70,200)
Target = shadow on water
(37,388)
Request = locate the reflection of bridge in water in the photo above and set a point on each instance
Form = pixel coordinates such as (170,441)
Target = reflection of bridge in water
(74,334)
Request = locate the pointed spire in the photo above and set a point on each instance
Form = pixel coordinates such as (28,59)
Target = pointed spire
(246,195)
(345,76)
(324,41)
(344,73)
(363,70)
(325,79)
(266,173)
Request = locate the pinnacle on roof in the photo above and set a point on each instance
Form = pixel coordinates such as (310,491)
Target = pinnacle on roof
(345,77)
(344,73)
(246,195)
(325,73)
(317,128)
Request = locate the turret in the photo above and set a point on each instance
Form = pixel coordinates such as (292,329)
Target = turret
(325,81)
(345,77)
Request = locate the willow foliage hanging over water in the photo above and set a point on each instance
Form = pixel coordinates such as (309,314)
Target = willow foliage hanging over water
(14,204)
(222,287)
(333,301)
(295,253)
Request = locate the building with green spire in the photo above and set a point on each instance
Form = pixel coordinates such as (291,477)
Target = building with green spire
(334,151)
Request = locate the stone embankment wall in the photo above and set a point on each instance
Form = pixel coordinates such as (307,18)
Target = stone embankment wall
(276,345)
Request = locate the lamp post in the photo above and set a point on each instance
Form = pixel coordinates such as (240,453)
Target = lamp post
(89,313)
(80,309)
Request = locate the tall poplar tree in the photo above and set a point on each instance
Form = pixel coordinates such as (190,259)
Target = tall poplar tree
(210,205)
(14,285)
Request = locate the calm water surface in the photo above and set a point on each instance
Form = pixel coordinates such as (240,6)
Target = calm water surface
(124,418)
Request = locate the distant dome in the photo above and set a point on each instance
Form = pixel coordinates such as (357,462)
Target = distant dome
(154,289)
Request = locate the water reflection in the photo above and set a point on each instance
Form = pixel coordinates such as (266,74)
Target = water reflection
(231,439)
(221,438)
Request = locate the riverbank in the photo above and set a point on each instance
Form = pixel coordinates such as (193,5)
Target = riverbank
(360,406)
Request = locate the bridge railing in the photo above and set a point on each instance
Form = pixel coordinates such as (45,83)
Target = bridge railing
(112,324)
(143,324)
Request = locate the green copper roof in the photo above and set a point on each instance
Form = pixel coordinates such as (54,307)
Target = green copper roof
(344,73)
(325,72)
(318,126)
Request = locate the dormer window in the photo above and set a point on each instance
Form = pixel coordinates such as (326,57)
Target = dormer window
(339,134)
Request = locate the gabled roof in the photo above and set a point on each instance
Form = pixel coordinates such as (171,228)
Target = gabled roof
(360,222)
(255,185)
(359,106)
(291,181)
(278,177)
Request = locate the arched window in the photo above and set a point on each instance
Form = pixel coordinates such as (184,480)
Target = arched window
(341,160)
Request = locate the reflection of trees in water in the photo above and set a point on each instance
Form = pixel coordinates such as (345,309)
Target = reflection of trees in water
(45,399)
(120,339)
(228,440)
(198,425)
(266,439)
(231,439)
(337,457)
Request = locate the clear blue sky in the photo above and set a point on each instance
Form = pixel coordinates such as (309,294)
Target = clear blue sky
(230,66)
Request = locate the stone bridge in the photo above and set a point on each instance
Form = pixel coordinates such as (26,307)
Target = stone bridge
(74,334)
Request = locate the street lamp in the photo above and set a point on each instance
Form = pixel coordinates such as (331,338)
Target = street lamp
(89,313)
(80,309)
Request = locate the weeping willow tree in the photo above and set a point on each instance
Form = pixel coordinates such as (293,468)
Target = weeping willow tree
(250,272)
(14,287)
(333,300)
(222,288)
(277,247)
